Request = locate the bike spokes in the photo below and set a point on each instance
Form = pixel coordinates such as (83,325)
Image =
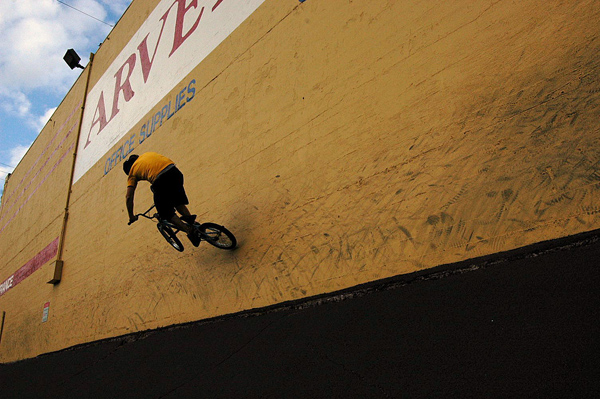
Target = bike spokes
(217,235)
(169,235)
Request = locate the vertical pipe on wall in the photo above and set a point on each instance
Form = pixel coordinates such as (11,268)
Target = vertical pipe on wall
(58,263)
(2,324)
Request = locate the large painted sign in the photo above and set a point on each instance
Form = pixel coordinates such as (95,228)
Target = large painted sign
(174,39)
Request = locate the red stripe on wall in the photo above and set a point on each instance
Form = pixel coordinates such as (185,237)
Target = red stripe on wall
(30,267)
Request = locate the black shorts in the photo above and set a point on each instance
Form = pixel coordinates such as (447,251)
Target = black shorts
(169,193)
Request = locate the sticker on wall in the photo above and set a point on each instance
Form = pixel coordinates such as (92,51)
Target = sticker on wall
(46,312)
(173,40)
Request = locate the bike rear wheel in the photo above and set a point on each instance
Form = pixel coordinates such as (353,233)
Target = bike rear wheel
(217,235)
(169,235)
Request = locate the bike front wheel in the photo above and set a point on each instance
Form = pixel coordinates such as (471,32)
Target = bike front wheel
(170,236)
(217,235)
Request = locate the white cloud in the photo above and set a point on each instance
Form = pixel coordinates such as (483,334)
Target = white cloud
(15,102)
(4,171)
(118,7)
(36,35)
(42,120)
(16,154)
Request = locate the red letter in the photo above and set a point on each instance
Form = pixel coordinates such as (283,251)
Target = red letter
(128,92)
(181,11)
(99,117)
(143,49)
(217,4)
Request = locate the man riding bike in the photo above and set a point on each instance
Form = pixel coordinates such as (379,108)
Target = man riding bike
(166,184)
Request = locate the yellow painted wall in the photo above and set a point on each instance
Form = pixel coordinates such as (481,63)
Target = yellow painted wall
(342,142)
(31,219)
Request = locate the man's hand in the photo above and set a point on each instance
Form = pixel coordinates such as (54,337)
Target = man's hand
(129,204)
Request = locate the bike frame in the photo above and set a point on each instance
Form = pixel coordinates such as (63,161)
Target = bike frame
(145,214)
(156,217)
(169,230)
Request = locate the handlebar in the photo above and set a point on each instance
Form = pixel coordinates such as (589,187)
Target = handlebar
(144,215)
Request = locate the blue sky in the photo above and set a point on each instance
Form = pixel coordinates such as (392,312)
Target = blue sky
(33,75)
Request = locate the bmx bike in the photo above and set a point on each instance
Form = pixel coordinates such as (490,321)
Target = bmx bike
(212,233)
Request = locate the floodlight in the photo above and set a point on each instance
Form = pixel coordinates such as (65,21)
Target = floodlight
(72,59)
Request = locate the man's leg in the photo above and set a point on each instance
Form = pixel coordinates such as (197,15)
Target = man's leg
(180,225)
(185,214)
(183,210)
(178,197)
(192,235)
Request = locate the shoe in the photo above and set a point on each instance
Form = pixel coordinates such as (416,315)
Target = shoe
(194,239)
(189,219)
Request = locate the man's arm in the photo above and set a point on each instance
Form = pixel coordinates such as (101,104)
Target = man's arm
(129,203)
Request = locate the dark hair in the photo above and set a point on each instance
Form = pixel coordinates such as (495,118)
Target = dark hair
(129,163)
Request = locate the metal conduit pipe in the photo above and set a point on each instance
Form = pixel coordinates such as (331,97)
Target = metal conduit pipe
(56,270)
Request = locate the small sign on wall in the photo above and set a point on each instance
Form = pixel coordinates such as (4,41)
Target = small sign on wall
(46,312)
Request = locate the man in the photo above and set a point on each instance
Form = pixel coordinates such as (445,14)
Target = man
(166,184)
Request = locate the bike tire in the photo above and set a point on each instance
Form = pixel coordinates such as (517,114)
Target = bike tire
(217,236)
(170,236)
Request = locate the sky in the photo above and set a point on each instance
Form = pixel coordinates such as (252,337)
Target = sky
(34,78)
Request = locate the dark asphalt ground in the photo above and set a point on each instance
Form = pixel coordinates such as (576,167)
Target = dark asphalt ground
(522,324)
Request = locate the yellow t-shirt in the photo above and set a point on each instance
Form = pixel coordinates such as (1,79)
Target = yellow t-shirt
(147,167)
